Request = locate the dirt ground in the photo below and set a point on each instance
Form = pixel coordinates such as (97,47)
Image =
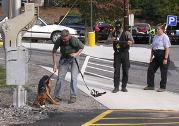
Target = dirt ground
(51,14)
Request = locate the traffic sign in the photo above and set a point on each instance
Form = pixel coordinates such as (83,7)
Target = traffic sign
(171,20)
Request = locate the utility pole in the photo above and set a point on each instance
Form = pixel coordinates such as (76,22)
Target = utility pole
(126,14)
(16,54)
(91,16)
(19,94)
(11,8)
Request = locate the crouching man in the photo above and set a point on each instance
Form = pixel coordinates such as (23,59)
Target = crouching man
(70,49)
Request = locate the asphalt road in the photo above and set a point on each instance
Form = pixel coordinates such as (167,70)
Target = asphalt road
(109,118)
(66,119)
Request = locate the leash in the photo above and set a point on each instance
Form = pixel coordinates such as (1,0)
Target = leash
(50,77)
(93,92)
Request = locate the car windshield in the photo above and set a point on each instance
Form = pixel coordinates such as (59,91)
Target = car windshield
(72,20)
(45,21)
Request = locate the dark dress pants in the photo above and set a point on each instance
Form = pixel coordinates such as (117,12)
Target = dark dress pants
(153,67)
(121,58)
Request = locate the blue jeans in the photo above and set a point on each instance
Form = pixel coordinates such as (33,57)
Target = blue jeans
(66,64)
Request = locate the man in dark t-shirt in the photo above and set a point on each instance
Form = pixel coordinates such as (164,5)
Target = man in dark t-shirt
(70,49)
(122,42)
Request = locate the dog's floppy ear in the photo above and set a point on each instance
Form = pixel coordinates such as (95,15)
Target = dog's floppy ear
(45,78)
(43,84)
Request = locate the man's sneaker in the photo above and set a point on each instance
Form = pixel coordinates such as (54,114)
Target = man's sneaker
(124,90)
(161,90)
(115,90)
(57,99)
(149,88)
(72,100)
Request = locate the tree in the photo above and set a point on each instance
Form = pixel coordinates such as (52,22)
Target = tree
(108,10)
(102,9)
(157,10)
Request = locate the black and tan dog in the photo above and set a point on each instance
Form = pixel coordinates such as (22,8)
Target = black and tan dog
(43,93)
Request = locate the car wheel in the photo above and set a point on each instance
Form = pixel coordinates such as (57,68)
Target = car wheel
(55,36)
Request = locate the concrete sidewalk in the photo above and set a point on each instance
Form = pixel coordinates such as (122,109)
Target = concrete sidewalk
(135,98)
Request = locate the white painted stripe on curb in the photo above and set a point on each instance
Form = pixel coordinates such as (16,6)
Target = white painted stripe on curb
(101,59)
(101,76)
(100,65)
(85,64)
(100,69)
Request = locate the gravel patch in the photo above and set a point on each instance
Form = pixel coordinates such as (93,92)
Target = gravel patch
(25,114)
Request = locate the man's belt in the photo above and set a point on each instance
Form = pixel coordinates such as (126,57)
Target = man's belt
(66,56)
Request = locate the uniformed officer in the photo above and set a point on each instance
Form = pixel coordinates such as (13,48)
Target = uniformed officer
(123,41)
(159,58)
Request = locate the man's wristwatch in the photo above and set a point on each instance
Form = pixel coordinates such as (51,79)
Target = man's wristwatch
(165,58)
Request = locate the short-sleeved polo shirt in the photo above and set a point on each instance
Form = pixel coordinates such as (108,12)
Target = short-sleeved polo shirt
(161,42)
(66,48)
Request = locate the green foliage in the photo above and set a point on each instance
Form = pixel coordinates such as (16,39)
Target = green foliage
(2,77)
(156,10)
(151,10)
(103,10)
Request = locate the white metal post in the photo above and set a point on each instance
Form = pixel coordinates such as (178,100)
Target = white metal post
(15,54)
(19,93)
